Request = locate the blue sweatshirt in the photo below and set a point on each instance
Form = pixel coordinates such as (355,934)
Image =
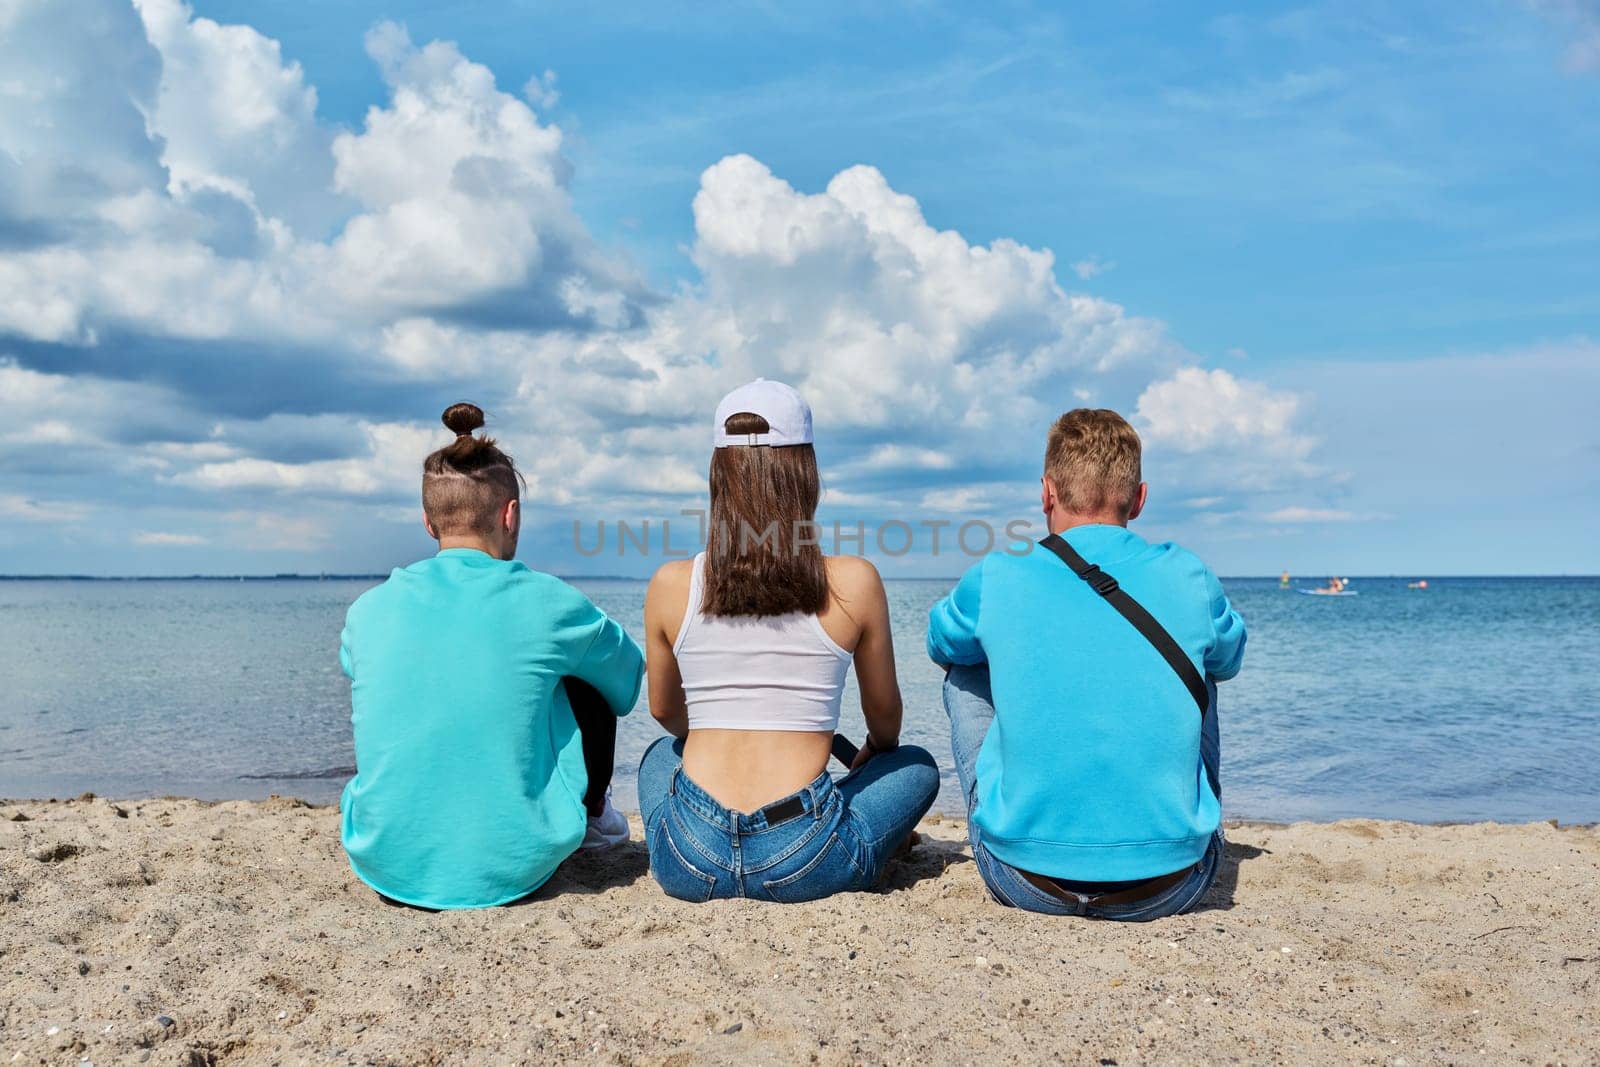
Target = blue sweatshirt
(469,766)
(1091,769)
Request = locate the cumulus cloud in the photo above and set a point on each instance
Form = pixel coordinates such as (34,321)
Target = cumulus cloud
(206,288)
(236,120)
(1222,436)
(206,201)
(459,181)
(889,326)
(1196,409)
(76,87)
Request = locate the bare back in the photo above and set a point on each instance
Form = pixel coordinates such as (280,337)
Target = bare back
(746,769)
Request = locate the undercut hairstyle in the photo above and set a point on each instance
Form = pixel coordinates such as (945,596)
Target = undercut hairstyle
(1092,460)
(762,556)
(467,482)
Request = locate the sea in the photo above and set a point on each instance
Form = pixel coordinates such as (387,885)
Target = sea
(1472,699)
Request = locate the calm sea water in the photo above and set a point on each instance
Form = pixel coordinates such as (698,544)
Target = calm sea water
(1476,699)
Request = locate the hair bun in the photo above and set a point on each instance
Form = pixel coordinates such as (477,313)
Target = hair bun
(463,418)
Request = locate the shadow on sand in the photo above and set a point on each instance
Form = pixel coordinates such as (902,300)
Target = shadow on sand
(928,860)
(1220,896)
(596,872)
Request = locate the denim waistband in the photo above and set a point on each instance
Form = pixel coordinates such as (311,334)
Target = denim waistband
(813,799)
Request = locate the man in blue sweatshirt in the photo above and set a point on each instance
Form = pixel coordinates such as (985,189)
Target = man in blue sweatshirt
(1090,773)
(484,700)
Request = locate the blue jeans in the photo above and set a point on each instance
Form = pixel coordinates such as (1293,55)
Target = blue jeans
(827,838)
(970,705)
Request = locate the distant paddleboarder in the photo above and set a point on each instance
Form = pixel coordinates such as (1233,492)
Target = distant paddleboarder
(1335,587)
(1283,580)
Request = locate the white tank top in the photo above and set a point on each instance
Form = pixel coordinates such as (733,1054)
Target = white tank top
(781,672)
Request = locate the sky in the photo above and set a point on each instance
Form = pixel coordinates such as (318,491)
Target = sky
(1338,263)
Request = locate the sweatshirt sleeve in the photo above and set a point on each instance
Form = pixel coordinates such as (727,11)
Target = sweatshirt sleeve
(346,660)
(611,660)
(953,623)
(1225,654)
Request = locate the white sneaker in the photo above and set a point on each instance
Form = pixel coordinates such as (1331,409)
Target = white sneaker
(606,830)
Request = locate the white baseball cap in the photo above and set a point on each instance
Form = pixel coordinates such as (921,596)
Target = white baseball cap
(786,413)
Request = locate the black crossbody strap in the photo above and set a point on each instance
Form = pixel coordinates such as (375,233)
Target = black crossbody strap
(1134,612)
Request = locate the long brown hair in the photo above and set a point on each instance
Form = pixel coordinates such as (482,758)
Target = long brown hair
(761,552)
(467,482)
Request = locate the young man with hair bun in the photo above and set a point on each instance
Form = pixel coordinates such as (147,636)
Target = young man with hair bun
(485,697)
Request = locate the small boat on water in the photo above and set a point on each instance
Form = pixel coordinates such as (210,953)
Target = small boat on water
(1335,587)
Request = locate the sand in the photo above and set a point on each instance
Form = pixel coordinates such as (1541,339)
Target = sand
(179,932)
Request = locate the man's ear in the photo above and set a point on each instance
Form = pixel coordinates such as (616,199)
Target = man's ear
(427,524)
(1139,501)
(1047,495)
(511,516)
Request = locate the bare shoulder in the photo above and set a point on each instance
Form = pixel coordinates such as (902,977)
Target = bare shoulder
(853,577)
(672,578)
(666,597)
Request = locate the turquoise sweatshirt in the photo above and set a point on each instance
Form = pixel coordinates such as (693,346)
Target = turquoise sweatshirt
(469,767)
(1091,769)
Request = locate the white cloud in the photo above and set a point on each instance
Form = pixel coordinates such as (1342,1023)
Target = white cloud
(163,539)
(1195,410)
(881,320)
(963,500)
(181,186)
(898,457)
(16,506)
(464,191)
(1299,514)
(540,90)
(235,118)
(275,532)
(84,421)
(391,464)
(1090,267)
(437,243)
(75,85)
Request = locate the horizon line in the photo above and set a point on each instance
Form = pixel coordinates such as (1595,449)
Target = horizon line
(299,576)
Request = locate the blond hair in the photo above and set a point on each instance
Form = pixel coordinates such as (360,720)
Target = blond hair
(1092,460)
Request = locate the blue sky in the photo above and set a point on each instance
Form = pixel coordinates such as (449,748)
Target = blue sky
(1340,263)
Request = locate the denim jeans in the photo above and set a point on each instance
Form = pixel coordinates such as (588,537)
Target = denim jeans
(838,838)
(970,705)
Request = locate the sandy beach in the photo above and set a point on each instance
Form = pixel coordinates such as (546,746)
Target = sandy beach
(178,932)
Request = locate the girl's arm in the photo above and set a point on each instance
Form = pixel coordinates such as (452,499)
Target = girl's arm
(862,596)
(664,604)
